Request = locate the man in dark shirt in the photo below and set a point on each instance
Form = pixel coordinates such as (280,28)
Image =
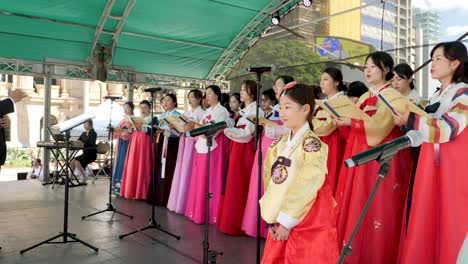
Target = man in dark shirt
(7,106)
(89,152)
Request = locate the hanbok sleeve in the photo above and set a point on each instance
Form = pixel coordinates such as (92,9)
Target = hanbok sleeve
(242,135)
(302,192)
(323,128)
(377,127)
(449,126)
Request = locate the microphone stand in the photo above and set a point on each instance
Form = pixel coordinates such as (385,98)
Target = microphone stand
(384,161)
(110,207)
(258,148)
(153,224)
(65,234)
(208,255)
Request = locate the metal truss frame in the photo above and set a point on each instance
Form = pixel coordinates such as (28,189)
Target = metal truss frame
(68,70)
(248,36)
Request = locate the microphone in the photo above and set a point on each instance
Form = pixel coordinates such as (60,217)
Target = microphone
(113,97)
(261,69)
(412,139)
(211,128)
(153,89)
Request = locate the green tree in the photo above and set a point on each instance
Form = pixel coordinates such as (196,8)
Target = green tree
(287,53)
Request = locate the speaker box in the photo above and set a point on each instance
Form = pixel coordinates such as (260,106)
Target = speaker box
(22,175)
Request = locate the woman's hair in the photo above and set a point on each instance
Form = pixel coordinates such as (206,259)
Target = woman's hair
(270,95)
(196,93)
(302,94)
(172,96)
(251,88)
(145,102)
(356,89)
(237,96)
(382,60)
(89,122)
(216,90)
(131,105)
(285,78)
(337,76)
(225,100)
(455,50)
(404,71)
(317,90)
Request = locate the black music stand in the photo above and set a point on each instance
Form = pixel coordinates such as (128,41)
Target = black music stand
(153,224)
(110,207)
(65,234)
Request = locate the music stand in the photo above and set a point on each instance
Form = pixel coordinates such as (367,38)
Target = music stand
(65,128)
(153,224)
(110,207)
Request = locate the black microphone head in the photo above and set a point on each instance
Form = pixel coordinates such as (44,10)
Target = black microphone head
(113,97)
(259,69)
(415,137)
(153,89)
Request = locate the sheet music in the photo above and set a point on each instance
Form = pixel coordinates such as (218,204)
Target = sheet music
(342,107)
(71,123)
(399,102)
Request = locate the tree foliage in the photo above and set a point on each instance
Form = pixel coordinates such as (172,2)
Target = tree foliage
(287,54)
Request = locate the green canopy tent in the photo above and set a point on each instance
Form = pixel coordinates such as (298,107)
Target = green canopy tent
(143,42)
(132,39)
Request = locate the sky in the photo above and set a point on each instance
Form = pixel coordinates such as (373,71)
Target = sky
(452,14)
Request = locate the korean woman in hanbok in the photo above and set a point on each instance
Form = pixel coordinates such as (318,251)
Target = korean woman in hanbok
(331,85)
(195,209)
(241,158)
(165,153)
(183,170)
(235,106)
(403,82)
(437,224)
(378,237)
(122,132)
(270,133)
(138,162)
(298,204)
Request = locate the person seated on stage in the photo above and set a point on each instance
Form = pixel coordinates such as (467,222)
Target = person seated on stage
(89,151)
(36,170)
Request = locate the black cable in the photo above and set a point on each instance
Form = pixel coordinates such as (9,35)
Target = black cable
(381,25)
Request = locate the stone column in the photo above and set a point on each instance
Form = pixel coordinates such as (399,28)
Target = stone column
(86,86)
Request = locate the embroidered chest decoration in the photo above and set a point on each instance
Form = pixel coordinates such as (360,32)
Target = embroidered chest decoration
(311,143)
(275,142)
(279,172)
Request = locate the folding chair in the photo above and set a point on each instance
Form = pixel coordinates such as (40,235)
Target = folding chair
(102,160)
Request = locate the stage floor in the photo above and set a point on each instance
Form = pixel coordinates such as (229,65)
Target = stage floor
(30,212)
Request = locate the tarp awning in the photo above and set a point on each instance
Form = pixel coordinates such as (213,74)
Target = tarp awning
(189,38)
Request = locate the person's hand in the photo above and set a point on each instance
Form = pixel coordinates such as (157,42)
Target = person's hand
(16,94)
(342,121)
(282,233)
(5,122)
(401,119)
(272,231)
(190,126)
